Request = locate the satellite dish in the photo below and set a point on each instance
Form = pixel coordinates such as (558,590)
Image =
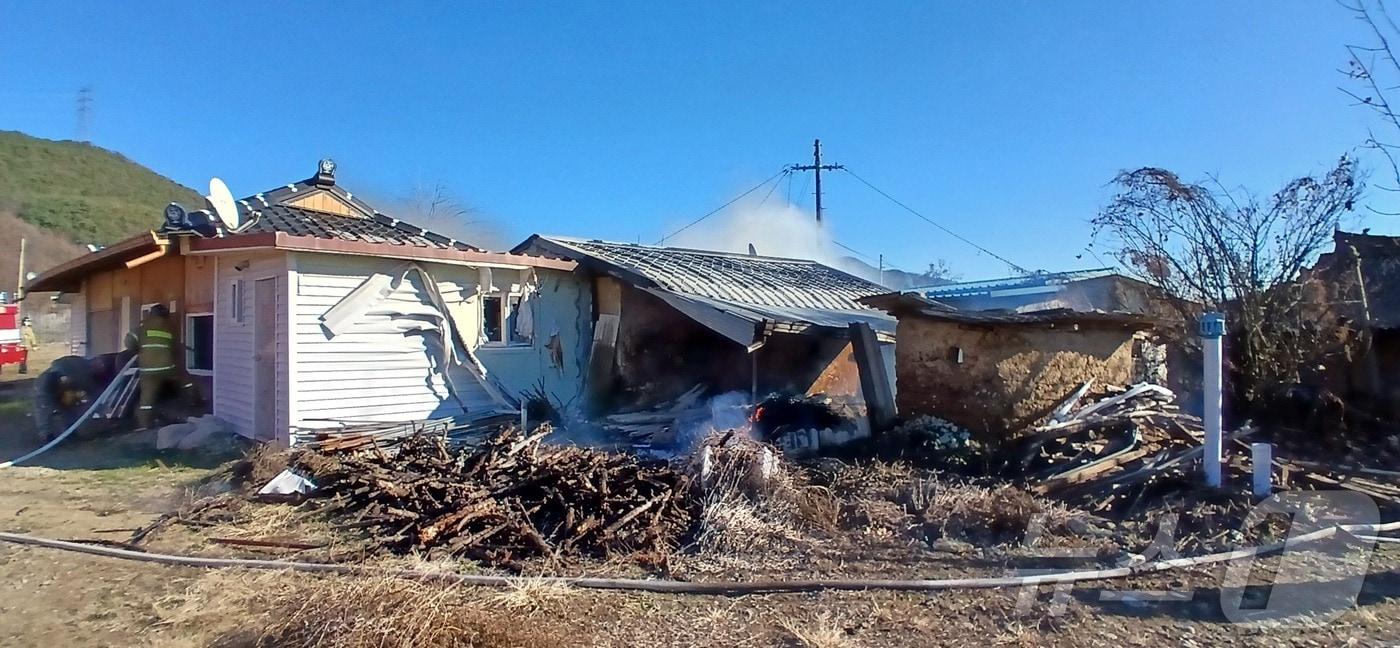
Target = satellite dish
(222,201)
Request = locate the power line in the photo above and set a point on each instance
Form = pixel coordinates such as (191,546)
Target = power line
(802,193)
(773,188)
(934,223)
(852,250)
(721,207)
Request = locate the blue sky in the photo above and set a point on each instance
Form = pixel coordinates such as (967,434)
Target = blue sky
(1003,121)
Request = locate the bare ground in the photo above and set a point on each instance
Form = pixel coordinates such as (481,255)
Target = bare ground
(54,598)
(101,489)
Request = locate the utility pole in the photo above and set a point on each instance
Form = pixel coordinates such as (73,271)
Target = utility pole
(19,284)
(816,167)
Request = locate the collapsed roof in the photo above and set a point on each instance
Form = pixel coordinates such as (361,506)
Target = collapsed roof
(914,304)
(740,296)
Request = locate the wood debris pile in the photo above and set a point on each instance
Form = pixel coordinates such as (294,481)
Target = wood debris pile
(1109,452)
(509,498)
(660,424)
(344,435)
(1133,448)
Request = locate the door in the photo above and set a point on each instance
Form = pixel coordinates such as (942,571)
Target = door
(265,359)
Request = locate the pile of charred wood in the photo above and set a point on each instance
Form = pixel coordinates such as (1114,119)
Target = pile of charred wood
(1111,449)
(1129,446)
(657,425)
(510,497)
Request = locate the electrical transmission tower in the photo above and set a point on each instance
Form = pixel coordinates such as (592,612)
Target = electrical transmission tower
(84,113)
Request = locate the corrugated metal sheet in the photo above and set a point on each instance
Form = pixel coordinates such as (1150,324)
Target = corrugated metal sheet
(725,291)
(1012,284)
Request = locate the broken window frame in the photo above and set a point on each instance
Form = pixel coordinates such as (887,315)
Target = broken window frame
(506,303)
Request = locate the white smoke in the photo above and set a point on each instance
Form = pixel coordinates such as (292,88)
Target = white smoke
(774,229)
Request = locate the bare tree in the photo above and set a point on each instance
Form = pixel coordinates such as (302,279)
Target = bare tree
(435,203)
(939,272)
(1208,247)
(434,207)
(1375,74)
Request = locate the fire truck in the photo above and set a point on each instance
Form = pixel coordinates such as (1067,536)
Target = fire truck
(12,349)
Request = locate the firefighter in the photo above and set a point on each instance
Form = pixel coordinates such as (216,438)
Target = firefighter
(29,341)
(64,389)
(156,358)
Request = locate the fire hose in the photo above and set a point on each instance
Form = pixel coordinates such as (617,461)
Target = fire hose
(106,393)
(719,588)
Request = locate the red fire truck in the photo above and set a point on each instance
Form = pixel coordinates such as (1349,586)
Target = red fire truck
(12,349)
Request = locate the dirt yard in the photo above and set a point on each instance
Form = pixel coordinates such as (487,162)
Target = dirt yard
(104,489)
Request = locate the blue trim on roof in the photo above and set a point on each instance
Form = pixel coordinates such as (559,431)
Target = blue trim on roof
(991,286)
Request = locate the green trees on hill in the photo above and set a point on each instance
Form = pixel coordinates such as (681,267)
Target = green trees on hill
(86,193)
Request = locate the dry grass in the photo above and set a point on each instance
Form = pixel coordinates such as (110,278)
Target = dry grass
(351,612)
(532,594)
(821,631)
(751,502)
(884,500)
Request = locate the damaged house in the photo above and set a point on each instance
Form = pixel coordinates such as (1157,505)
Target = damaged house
(303,306)
(1355,289)
(1101,289)
(665,320)
(993,372)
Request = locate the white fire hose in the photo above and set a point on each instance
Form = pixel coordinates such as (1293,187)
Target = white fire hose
(79,422)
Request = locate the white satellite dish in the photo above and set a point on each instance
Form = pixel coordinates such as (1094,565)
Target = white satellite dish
(221,199)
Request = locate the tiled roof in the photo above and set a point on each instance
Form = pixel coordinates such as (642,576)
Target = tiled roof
(729,277)
(375,229)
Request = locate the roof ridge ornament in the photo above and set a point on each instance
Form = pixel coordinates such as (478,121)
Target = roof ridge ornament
(325,173)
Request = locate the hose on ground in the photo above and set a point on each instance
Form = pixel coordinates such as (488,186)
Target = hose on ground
(722,588)
(77,423)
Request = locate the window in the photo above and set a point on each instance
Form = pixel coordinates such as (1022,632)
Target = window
(491,320)
(500,316)
(199,343)
(235,301)
(513,321)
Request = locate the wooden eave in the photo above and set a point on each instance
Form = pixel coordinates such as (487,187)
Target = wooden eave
(290,243)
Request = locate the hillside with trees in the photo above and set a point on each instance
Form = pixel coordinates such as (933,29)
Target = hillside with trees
(85,193)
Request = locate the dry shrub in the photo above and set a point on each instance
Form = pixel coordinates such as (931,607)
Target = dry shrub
(754,508)
(275,610)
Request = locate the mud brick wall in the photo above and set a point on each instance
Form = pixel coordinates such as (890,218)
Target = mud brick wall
(1007,376)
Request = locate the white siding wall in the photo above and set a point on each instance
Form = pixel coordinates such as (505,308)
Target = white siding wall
(234,392)
(368,372)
